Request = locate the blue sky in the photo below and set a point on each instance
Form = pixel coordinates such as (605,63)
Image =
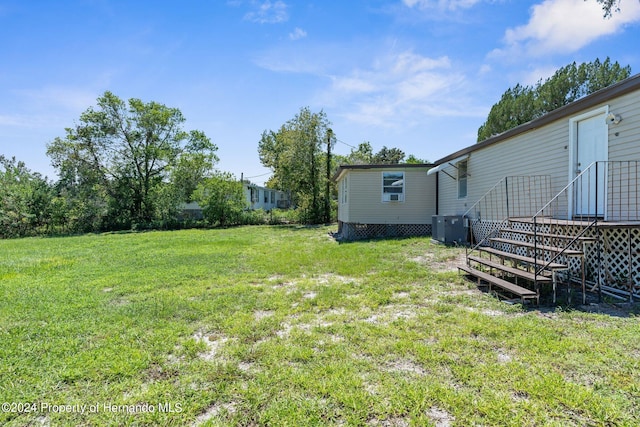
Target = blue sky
(420,75)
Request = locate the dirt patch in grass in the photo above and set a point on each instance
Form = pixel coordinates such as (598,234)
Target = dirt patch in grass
(440,263)
(405,366)
(440,417)
(213,343)
(214,411)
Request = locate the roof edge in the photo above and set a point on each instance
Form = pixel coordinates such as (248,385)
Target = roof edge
(623,87)
(344,168)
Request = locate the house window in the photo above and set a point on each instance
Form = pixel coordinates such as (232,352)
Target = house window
(392,186)
(273,197)
(462,179)
(266,196)
(344,190)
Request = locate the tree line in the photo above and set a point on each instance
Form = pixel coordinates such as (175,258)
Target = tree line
(124,165)
(522,103)
(130,165)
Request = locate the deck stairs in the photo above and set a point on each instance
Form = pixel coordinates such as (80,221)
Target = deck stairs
(526,237)
(519,247)
(519,258)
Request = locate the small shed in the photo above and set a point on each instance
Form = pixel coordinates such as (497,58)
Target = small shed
(385,200)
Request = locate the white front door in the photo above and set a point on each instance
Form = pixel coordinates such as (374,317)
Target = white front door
(591,146)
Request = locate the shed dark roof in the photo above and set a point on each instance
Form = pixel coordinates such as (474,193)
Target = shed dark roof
(621,88)
(343,168)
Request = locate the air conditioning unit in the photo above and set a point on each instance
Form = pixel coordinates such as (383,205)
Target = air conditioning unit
(449,229)
(393,197)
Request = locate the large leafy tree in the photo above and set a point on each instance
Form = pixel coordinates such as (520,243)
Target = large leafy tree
(296,156)
(388,156)
(364,155)
(221,198)
(25,198)
(521,104)
(121,155)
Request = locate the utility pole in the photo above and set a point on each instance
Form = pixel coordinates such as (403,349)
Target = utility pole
(327,191)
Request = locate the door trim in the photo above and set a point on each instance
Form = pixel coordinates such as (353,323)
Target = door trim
(573,147)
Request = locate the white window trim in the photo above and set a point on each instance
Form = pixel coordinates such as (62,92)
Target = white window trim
(466,179)
(402,194)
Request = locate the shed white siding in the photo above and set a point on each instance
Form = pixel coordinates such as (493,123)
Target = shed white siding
(363,202)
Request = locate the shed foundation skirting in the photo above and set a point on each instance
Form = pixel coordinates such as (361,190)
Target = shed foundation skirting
(353,231)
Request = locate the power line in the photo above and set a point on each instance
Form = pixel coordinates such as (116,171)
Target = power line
(257,176)
(348,145)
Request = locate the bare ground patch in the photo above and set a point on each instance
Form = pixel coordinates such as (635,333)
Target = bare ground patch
(214,411)
(213,343)
(440,417)
(439,263)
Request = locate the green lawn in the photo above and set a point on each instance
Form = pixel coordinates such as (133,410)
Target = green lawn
(284,326)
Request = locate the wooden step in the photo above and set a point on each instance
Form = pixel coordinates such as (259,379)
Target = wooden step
(511,270)
(523,293)
(521,258)
(553,221)
(567,252)
(548,235)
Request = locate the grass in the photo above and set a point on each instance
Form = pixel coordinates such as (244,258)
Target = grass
(284,326)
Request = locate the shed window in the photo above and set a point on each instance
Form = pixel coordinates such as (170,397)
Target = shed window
(392,186)
(462,179)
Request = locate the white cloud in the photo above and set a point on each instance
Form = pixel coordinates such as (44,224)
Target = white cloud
(297,34)
(564,26)
(56,97)
(268,12)
(400,90)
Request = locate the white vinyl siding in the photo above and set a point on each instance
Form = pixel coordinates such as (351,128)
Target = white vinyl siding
(542,151)
(364,204)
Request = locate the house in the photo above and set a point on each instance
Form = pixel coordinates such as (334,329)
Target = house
(256,197)
(385,200)
(558,195)
(265,198)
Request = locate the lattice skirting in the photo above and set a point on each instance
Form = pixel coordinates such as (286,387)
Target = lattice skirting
(352,231)
(616,256)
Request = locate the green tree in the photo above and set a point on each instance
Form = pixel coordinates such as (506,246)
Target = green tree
(388,156)
(221,198)
(521,104)
(123,152)
(363,155)
(609,6)
(413,160)
(516,106)
(25,198)
(295,155)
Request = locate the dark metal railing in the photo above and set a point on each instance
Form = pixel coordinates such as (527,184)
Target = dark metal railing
(604,191)
(512,196)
